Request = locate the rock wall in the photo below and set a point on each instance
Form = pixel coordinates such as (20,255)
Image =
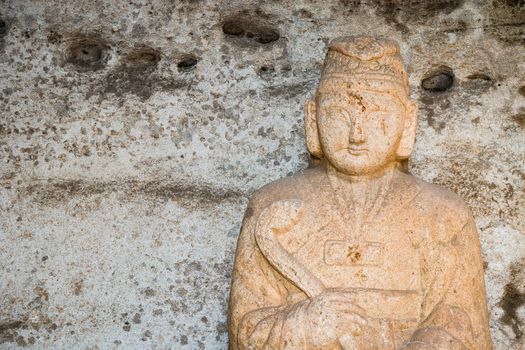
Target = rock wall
(133,132)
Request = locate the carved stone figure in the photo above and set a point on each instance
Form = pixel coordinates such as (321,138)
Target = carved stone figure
(355,253)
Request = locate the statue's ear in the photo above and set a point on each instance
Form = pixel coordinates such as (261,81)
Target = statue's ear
(409,133)
(312,133)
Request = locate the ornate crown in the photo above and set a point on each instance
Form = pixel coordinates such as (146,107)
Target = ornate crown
(365,59)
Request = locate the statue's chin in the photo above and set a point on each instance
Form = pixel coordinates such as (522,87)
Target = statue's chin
(360,165)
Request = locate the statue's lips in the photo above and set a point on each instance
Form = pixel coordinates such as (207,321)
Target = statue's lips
(356,150)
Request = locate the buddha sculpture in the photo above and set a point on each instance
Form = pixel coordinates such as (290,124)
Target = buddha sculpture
(356,253)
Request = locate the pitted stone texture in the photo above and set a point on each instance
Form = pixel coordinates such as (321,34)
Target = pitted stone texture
(139,274)
(117,138)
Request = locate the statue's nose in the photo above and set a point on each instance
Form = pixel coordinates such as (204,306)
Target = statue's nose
(357,132)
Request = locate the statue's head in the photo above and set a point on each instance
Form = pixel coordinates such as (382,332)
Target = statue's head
(361,120)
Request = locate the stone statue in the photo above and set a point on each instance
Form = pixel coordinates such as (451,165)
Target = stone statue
(355,253)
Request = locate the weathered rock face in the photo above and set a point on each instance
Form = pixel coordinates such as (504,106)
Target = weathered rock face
(132,134)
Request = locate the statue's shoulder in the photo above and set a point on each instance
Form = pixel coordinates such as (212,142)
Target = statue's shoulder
(297,189)
(446,208)
(301,186)
(440,198)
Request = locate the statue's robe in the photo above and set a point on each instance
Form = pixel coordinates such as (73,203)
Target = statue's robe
(416,266)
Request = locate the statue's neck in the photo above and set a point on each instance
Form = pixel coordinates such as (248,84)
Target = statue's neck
(360,197)
(369,178)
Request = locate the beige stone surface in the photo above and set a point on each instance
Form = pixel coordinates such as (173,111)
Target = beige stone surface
(125,170)
(354,253)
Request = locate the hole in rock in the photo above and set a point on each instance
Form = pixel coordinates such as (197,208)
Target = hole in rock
(143,57)
(257,31)
(521,90)
(520,119)
(233,28)
(479,76)
(440,78)
(478,82)
(187,63)
(266,36)
(267,69)
(3,28)
(87,54)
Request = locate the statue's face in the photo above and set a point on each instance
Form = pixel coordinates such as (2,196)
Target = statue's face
(360,131)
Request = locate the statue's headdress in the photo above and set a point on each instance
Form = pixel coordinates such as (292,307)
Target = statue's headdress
(365,62)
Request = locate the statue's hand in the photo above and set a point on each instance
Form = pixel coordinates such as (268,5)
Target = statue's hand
(433,338)
(333,321)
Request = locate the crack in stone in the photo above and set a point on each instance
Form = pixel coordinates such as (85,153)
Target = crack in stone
(56,191)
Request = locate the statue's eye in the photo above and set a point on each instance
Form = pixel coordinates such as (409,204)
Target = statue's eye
(381,119)
(337,114)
